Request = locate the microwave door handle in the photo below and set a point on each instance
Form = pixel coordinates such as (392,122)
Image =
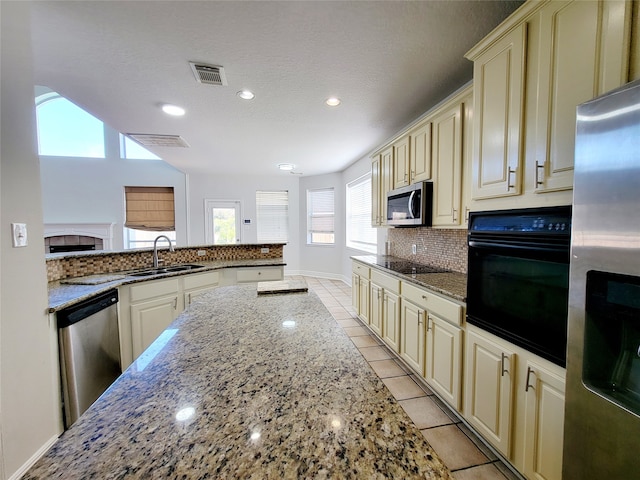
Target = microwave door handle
(411,214)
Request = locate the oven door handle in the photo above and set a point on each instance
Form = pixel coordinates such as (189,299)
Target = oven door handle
(534,248)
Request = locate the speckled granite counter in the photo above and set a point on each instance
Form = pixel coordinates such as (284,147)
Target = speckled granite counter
(245,386)
(451,284)
(63,295)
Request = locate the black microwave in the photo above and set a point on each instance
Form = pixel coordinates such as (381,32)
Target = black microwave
(410,206)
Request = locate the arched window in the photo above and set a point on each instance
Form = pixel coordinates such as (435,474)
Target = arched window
(66,130)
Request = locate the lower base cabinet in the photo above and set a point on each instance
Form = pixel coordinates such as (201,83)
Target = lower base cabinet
(443,365)
(515,400)
(412,335)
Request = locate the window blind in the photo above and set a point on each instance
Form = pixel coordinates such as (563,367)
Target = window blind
(321,216)
(149,208)
(360,234)
(272,212)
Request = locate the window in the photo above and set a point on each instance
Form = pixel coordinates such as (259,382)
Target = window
(66,130)
(133,150)
(272,213)
(320,217)
(360,234)
(149,212)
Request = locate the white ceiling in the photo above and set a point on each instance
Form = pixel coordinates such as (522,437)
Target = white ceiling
(389,62)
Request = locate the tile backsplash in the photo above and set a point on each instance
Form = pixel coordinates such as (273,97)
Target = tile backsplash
(90,263)
(445,248)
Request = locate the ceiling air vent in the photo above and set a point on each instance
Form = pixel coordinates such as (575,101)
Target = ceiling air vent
(209,74)
(153,140)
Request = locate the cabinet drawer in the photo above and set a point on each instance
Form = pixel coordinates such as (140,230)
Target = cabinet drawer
(385,281)
(361,270)
(433,303)
(201,280)
(153,289)
(259,274)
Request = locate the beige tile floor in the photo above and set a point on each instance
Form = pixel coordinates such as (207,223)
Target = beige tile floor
(465,455)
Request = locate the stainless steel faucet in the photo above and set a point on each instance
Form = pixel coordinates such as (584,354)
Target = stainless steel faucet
(155,249)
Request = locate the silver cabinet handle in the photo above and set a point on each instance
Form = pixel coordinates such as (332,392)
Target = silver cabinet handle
(175,303)
(428,322)
(455,215)
(509,184)
(419,317)
(538,167)
(504,356)
(466,214)
(529,372)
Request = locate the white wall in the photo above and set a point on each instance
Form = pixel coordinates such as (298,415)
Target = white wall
(28,391)
(91,190)
(243,188)
(322,260)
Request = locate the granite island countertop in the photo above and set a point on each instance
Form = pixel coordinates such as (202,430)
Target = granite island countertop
(64,293)
(245,386)
(448,283)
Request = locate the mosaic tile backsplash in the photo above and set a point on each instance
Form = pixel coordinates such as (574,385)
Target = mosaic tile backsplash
(80,264)
(445,248)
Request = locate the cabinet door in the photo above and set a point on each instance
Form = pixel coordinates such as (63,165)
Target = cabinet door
(489,369)
(149,319)
(401,163)
(376,194)
(498,75)
(544,423)
(355,292)
(447,167)
(420,154)
(364,303)
(192,294)
(570,62)
(412,335)
(386,181)
(375,313)
(444,360)
(391,320)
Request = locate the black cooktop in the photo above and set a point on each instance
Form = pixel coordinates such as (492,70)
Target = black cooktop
(407,267)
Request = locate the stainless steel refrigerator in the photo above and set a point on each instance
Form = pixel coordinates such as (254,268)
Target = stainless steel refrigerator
(602,413)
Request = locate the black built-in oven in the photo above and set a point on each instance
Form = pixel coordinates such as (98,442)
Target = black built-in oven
(519,277)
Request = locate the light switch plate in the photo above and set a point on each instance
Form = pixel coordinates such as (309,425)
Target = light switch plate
(19,234)
(264,250)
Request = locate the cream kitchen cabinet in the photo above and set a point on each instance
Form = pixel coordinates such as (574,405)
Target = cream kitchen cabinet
(449,148)
(385,290)
(530,73)
(153,306)
(401,160)
(256,274)
(381,183)
(412,335)
(360,290)
(443,366)
(432,339)
(420,153)
(197,284)
(515,399)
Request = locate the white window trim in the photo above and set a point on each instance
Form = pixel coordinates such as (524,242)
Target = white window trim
(361,246)
(318,244)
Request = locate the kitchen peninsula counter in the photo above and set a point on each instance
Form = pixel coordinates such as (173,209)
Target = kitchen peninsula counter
(245,386)
(67,292)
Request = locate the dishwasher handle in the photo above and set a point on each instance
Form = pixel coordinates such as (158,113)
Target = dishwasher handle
(75,313)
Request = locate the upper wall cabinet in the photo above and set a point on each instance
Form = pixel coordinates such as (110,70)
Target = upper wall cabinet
(401,166)
(381,182)
(530,74)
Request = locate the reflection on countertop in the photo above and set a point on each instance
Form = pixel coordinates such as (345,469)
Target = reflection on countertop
(246,386)
(451,284)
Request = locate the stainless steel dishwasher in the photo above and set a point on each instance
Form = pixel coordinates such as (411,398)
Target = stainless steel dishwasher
(89,352)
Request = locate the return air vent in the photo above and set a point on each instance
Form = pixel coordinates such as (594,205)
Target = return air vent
(209,74)
(153,140)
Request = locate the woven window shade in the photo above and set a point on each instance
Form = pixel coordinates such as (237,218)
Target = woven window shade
(150,208)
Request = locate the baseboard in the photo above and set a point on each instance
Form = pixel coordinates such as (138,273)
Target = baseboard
(34,458)
(310,273)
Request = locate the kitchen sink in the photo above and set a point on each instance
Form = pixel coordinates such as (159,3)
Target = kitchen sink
(159,271)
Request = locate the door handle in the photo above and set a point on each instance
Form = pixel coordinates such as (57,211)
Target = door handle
(502,359)
(509,184)
(538,167)
(529,372)
(410,206)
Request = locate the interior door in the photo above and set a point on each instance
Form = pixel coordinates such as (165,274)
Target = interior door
(222,222)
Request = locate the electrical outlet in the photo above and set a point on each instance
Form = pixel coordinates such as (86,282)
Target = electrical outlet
(202,253)
(414,249)
(264,250)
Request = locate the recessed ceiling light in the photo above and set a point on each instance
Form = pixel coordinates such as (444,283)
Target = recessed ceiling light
(174,110)
(333,102)
(287,167)
(246,94)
